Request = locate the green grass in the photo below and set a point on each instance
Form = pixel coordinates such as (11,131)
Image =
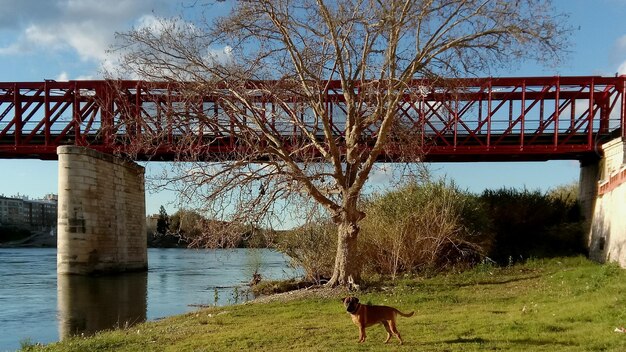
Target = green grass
(566,304)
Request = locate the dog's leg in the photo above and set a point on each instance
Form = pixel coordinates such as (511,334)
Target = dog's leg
(394,329)
(386,325)
(361,333)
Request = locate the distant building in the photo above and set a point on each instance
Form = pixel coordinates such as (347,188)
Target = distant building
(11,211)
(151,222)
(32,214)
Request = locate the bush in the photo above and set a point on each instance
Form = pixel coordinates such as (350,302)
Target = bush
(436,226)
(13,233)
(531,224)
(311,247)
(429,226)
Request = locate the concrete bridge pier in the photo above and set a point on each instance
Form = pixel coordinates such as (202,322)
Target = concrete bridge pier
(101,213)
(602,194)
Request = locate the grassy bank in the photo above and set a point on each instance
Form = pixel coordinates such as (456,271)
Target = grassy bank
(567,304)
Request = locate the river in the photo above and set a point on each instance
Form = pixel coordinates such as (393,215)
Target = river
(38,307)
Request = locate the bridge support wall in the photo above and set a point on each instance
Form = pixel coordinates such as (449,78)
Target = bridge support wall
(603,201)
(101,214)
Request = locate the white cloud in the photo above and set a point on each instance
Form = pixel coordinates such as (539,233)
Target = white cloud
(12,49)
(85,78)
(221,56)
(152,23)
(158,25)
(41,36)
(381,174)
(84,27)
(62,77)
(78,33)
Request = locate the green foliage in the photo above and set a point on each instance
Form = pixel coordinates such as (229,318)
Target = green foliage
(27,344)
(432,226)
(531,224)
(169,229)
(268,287)
(163,222)
(189,228)
(567,193)
(563,304)
(184,223)
(12,233)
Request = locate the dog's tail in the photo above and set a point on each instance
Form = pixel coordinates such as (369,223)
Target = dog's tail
(405,314)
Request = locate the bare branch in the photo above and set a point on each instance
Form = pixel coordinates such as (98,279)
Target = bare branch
(296,100)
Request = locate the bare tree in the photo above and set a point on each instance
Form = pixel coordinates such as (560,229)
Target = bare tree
(302,98)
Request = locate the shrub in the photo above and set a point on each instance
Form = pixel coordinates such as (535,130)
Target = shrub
(423,226)
(436,226)
(531,224)
(311,247)
(13,233)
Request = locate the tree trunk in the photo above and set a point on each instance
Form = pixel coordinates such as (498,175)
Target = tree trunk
(347,264)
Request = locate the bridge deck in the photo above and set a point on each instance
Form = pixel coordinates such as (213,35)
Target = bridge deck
(487,119)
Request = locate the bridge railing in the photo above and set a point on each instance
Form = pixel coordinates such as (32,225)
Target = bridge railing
(532,118)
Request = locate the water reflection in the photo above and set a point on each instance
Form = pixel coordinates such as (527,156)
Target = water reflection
(89,304)
(177,282)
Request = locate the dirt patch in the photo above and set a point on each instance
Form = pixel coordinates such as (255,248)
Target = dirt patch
(309,292)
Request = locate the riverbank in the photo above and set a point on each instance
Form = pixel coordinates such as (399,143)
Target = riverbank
(39,239)
(48,239)
(567,304)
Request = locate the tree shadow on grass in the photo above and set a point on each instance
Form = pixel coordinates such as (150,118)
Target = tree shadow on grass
(433,288)
(497,282)
(523,342)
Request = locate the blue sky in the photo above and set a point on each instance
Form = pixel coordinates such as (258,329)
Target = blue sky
(68,39)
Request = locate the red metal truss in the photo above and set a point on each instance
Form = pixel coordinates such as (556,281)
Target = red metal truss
(507,119)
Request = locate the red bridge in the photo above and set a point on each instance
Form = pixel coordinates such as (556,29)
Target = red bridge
(533,118)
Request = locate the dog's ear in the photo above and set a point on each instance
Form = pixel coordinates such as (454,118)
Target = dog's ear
(356,300)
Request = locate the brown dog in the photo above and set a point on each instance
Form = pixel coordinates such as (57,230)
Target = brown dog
(364,315)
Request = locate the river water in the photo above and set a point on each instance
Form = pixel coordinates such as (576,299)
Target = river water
(36,306)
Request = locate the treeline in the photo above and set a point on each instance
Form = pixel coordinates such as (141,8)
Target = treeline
(420,227)
(13,233)
(188,228)
(436,226)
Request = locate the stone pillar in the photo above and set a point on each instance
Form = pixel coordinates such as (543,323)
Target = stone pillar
(101,213)
(607,231)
